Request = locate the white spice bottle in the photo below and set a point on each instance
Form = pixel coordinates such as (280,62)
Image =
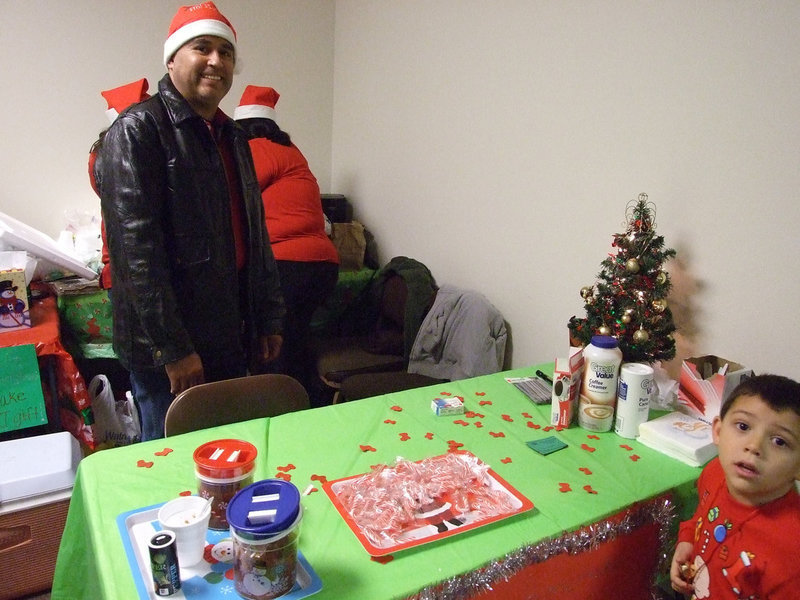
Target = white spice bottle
(601,361)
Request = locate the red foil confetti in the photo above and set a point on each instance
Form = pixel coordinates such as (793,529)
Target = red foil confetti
(585,470)
(634,457)
(484,402)
(564,487)
(144,463)
(288,467)
(404,437)
(365,448)
(397,408)
(429,435)
(390,421)
(163,452)
(505,460)
(589,489)
(588,448)
(497,434)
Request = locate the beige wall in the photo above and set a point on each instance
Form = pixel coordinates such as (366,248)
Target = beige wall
(60,55)
(498,142)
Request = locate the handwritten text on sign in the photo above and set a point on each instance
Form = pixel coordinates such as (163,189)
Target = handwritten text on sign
(21,398)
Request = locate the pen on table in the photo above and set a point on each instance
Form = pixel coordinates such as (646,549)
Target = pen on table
(539,373)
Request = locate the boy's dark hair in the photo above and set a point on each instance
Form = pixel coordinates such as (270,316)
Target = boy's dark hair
(779,392)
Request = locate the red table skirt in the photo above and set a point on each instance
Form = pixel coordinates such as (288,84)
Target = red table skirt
(620,557)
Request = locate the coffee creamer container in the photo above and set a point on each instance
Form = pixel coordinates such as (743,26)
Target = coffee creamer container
(636,386)
(601,361)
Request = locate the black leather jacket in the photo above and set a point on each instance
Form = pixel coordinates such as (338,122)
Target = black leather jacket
(167,214)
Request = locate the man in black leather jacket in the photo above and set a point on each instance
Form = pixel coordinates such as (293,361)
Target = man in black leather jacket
(196,290)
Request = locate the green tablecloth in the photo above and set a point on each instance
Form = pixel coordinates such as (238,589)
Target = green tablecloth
(328,442)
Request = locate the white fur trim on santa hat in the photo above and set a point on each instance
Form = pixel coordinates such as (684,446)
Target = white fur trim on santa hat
(196,29)
(254,111)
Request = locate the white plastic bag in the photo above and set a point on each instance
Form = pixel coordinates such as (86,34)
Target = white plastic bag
(116,423)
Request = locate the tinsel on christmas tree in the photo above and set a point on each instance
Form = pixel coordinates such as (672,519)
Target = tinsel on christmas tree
(629,299)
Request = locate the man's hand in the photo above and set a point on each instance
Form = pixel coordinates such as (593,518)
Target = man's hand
(185,373)
(270,347)
(680,571)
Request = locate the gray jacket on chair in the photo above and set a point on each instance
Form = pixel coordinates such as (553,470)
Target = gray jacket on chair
(463,335)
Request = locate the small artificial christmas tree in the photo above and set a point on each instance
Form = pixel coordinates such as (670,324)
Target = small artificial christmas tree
(630,299)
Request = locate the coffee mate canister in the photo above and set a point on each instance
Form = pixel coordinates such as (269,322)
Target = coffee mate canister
(601,361)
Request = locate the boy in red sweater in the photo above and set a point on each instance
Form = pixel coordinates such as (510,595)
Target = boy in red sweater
(744,538)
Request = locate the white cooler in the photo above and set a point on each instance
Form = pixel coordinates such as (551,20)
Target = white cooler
(36,478)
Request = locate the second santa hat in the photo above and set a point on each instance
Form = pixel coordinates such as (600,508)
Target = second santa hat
(193,21)
(257,103)
(120,98)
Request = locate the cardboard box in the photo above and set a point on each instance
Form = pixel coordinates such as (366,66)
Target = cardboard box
(447,406)
(566,387)
(705,383)
(15,305)
(35,489)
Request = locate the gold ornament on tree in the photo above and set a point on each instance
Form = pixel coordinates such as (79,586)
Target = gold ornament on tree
(632,265)
(640,336)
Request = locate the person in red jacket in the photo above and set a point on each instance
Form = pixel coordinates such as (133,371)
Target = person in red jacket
(118,99)
(744,538)
(308,262)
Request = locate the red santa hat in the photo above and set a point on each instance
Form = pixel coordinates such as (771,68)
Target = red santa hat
(193,21)
(257,103)
(120,98)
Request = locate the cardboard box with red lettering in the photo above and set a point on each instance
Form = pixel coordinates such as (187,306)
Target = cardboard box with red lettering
(705,383)
(566,387)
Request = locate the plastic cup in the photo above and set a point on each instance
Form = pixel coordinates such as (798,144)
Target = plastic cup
(223,467)
(187,517)
(265,526)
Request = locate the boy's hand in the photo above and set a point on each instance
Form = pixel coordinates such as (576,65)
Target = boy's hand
(681,569)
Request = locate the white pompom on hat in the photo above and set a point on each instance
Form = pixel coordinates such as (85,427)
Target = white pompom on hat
(193,21)
(257,103)
(120,98)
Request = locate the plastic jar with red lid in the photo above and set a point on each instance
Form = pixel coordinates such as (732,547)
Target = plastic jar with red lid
(223,467)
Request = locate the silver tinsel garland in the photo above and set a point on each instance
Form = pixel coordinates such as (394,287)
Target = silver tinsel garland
(661,511)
